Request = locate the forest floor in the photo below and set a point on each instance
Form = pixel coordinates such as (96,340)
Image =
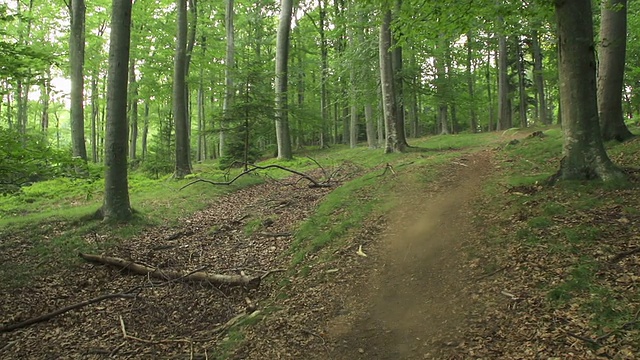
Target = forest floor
(452,271)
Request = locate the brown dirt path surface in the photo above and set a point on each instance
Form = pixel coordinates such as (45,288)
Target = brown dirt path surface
(406,299)
(415,303)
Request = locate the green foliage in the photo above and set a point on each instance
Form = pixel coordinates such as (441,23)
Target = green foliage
(28,159)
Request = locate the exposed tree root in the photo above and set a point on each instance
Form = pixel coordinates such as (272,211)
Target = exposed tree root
(197,276)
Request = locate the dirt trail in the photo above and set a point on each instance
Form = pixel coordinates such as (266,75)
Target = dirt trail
(414,301)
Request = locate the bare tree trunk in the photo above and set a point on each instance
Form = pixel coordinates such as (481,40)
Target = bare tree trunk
(145,129)
(471,84)
(76,62)
(397,67)
(584,154)
(324,105)
(504,114)
(133,110)
(183,158)
(353,123)
(229,62)
(442,85)
(611,53)
(46,99)
(489,97)
(538,78)
(522,91)
(94,116)
(387,82)
(116,206)
(282,59)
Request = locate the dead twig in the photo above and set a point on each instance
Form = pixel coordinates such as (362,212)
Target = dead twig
(48,316)
(492,273)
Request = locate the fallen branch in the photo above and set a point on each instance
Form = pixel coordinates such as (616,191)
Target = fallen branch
(197,276)
(314,183)
(491,273)
(582,338)
(48,316)
(280,234)
(623,255)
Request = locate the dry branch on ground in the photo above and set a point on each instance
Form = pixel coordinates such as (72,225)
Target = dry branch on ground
(197,276)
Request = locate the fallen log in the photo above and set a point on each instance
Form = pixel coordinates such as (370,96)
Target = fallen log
(197,276)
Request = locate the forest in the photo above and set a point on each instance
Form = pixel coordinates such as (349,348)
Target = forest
(319,179)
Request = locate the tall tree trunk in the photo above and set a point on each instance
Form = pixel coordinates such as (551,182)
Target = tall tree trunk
(201,156)
(192,21)
(94,116)
(46,99)
(282,59)
(116,206)
(442,85)
(522,91)
(181,123)
(489,96)
(380,122)
(76,62)
(471,84)
(504,114)
(387,82)
(397,67)
(133,110)
(227,104)
(324,104)
(538,78)
(584,155)
(353,123)
(611,56)
(145,129)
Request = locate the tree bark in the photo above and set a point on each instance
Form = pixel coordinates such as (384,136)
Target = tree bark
(227,103)
(94,116)
(504,115)
(538,79)
(387,83)
(145,129)
(76,62)
(398,80)
(584,155)
(442,83)
(183,156)
(46,99)
(116,205)
(324,54)
(522,91)
(611,56)
(471,84)
(282,59)
(133,110)
(353,123)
